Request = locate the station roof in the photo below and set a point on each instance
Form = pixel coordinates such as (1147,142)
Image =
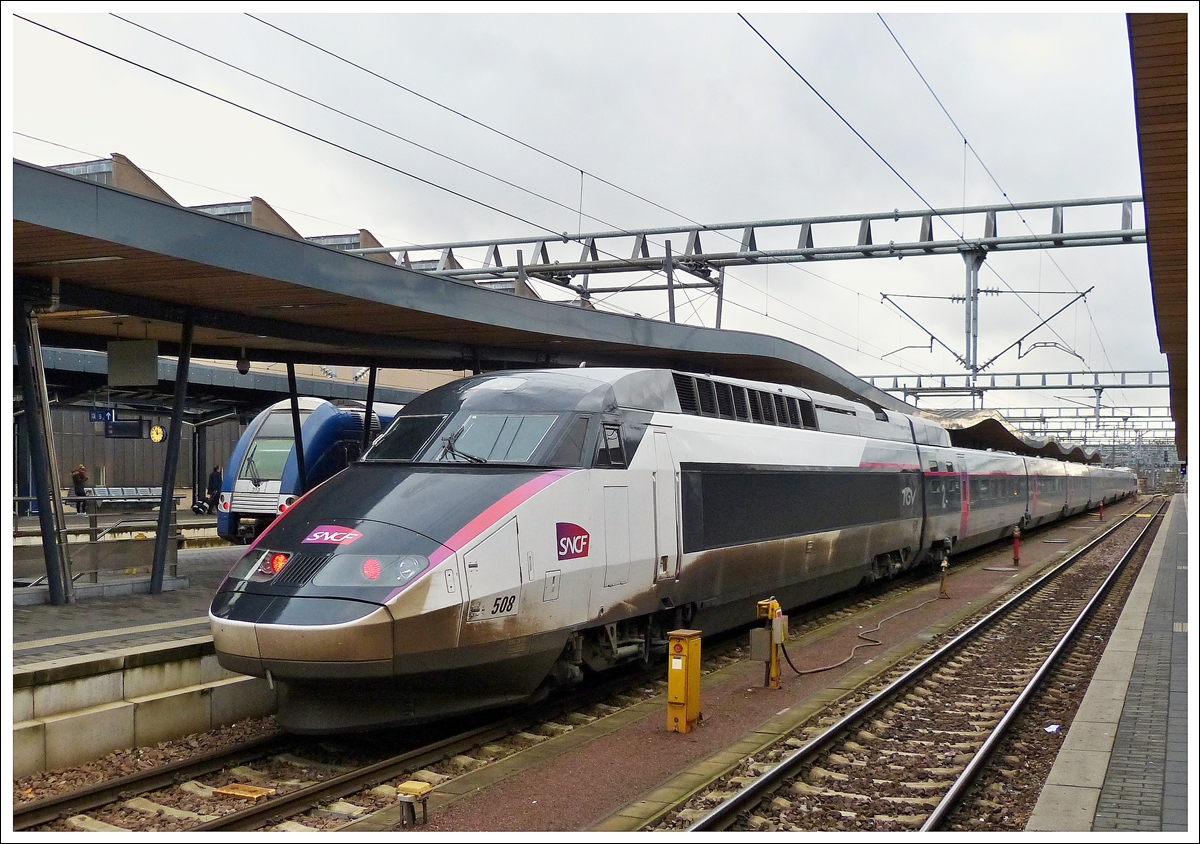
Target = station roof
(80,377)
(987,430)
(112,264)
(1159,54)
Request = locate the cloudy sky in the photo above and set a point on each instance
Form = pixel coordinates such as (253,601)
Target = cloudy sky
(621,120)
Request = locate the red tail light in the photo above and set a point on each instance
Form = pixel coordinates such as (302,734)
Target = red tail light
(273,563)
(371,568)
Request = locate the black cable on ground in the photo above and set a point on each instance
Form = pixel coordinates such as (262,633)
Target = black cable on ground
(863,635)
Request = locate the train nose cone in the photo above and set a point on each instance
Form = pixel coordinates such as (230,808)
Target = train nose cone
(299,636)
(311,601)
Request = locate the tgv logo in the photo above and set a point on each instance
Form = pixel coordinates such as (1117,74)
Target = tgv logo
(572,541)
(332,535)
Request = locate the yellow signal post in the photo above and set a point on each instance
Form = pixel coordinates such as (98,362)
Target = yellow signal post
(683,680)
(766,644)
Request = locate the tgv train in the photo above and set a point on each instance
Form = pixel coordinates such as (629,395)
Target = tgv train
(263,475)
(513,531)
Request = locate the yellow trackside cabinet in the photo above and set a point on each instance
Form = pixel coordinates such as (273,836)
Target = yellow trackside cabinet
(683,680)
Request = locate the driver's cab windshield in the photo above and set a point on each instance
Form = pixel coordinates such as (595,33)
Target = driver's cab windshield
(479,438)
(265,460)
(269,451)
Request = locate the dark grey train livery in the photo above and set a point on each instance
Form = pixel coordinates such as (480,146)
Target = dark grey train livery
(511,531)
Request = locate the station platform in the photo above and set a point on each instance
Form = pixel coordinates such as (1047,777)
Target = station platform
(29,586)
(1124,766)
(96,625)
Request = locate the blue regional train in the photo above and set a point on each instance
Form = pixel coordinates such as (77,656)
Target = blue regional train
(263,476)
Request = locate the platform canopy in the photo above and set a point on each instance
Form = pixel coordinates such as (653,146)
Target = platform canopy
(987,430)
(1159,54)
(106,264)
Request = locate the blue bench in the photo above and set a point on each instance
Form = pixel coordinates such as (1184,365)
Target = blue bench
(126,497)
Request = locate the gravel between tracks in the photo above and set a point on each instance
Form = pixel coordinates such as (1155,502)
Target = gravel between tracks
(121,763)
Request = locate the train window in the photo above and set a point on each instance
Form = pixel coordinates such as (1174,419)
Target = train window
(725,400)
(933,466)
(741,407)
(609,453)
(569,451)
(949,466)
(265,459)
(495,438)
(406,438)
(279,424)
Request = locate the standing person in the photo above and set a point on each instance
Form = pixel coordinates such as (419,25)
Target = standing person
(79,479)
(214,488)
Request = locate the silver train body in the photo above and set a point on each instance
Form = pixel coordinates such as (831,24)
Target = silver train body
(513,531)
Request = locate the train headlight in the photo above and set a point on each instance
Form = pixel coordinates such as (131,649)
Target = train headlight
(259,565)
(363,570)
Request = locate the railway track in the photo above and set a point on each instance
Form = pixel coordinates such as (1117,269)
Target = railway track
(904,758)
(197,808)
(295,783)
(320,786)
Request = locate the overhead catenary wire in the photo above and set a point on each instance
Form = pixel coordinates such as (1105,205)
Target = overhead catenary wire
(369,124)
(182,180)
(343,113)
(470,119)
(284,124)
(314,136)
(297,129)
(968,145)
(867,143)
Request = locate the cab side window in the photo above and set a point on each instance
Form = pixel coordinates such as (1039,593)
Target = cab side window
(609,452)
(569,451)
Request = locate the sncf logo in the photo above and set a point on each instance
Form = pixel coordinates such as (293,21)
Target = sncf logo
(572,541)
(332,535)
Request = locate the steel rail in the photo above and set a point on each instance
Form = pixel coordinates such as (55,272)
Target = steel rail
(720,816)
(253,817)
(949,801)
(296,802)
(34,813)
